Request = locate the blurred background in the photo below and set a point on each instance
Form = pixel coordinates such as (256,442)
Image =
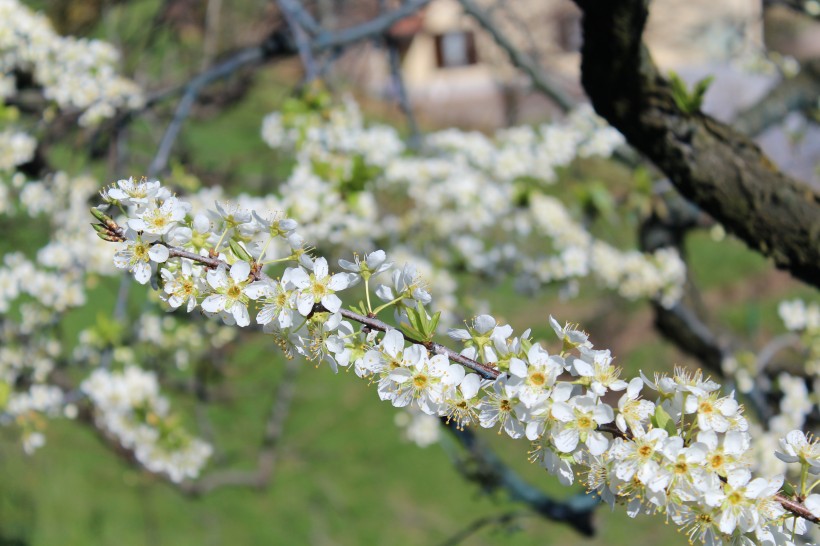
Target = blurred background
(341,468)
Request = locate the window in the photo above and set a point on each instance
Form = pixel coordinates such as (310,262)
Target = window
(455,49)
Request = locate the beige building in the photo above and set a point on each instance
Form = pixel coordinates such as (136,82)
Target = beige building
(456,74)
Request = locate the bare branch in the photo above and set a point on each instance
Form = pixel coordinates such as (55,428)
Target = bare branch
(268,452)
(292,16)
(243,58)
(797,93)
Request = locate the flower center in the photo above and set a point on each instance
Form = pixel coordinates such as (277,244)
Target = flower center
(505,405)
(585,422)
(538,379)
(320,289)
(706,407)
(644,451)
(187,287)
(681,468)
(234,291)
(716,461)
(141,252)
(735,497)
(420,381)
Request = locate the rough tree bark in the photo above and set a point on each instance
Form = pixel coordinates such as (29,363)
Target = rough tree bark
(711,164)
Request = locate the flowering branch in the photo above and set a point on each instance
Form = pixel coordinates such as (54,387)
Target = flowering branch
(683,454)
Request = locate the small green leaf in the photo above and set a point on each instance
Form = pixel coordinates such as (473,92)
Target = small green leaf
(434,324)
(787,488)
(664,421)
(409,331)
(239,251)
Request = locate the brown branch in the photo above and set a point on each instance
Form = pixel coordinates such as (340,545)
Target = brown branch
(717,168)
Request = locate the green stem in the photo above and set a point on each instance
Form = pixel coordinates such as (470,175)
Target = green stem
(386,305)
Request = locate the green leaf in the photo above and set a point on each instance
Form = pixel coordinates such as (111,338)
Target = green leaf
(664,421)
(434,324)
(409,331)
(787,488)
(239,251)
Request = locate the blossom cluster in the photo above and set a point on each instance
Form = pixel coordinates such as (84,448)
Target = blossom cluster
(668,444)
(479,201)
(132,410)
(75,73)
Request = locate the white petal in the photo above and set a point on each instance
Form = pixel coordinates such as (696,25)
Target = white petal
(201,223)
(296,276)
(304,303)
(566,440)
(214,303)
(484,323)
(453,376)
(563,412)
(240,271)
(393,343)
(240,314)
(470,385)
(320,268)
(339,281)
(596,442)
(142,272)
(518,368)
(812,502)
(158,253)
(258,289)
(332,303)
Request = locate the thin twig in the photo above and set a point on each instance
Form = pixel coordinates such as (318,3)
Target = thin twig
(401,93)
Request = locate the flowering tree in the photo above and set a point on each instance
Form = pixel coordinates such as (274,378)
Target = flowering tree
(341,264)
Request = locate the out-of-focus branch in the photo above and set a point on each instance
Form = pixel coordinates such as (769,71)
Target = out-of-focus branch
(685,323)
(268,451)
(717,168)
(799,6)
(277,44)
(797,93)
(492,474)
(539,79)
(401,93)
(484,521)
(243,58)
(292,16)
(300,15)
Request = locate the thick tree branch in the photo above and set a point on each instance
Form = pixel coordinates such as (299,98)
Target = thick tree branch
(717,168)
